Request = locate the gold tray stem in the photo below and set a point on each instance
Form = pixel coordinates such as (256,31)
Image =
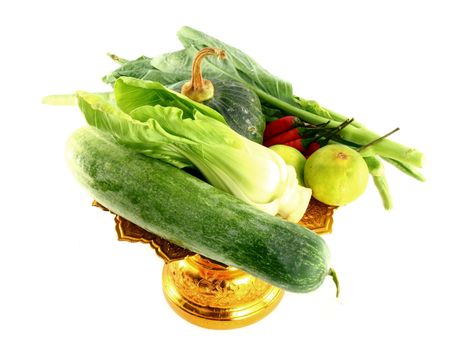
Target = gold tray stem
(217,297)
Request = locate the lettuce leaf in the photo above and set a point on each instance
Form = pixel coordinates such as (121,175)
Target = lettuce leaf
(145,136)
(141,68)
(131,93)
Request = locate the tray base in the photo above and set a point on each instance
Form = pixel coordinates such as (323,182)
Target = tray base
(216,297)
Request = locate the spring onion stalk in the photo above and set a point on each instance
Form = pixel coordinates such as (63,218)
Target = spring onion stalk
(376,169)
(374,166)
(360,136)
(341,117)
(383,189)
(315,108)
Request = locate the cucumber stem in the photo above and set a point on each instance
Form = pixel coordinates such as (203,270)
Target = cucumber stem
(199,89)
(332,273)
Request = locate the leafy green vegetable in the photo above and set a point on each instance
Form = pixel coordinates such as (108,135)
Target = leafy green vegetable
(132,93)
(271,90)
(142,68)
(130,132)
(139,83)
(181,61)
(157,127)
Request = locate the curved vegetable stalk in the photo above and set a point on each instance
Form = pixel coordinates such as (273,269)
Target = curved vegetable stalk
(376,169)
(199,89)
(334,276)
(383,188)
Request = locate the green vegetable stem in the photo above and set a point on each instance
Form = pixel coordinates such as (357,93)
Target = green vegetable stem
(376,169)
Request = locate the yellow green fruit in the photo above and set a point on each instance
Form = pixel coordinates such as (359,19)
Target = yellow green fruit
(292,156)
(337,174)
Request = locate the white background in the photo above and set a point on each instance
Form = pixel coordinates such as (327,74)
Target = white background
(67,283)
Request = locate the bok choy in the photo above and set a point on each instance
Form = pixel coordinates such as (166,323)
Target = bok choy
(166,125)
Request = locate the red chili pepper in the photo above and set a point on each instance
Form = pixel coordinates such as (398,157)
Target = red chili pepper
(312,147)
(280,125)
(297,144)
(290,135)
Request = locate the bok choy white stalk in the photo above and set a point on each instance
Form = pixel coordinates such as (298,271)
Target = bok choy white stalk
(166,125)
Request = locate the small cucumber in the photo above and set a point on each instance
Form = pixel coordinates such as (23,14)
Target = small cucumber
(193,214)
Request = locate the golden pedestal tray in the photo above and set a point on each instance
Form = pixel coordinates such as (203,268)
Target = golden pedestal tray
(210,294)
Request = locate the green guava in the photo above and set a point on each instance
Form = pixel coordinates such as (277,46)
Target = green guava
(292,156)
(336,174)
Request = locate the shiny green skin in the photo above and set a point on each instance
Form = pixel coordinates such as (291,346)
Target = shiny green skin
(195,215)
(239,105)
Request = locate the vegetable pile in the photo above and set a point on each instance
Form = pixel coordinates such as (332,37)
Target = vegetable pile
(212,111)
(277,100)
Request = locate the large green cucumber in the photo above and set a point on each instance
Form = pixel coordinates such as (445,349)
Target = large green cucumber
(193,214)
